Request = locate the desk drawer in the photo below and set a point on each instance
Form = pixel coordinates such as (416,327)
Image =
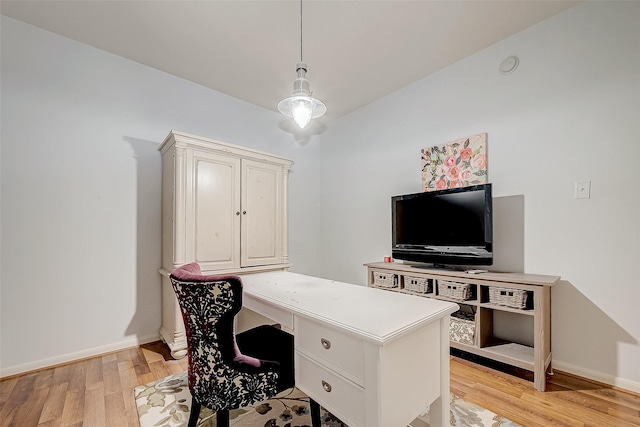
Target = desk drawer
(342,353)
(341,397)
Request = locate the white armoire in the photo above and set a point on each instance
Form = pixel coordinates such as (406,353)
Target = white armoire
(223,206)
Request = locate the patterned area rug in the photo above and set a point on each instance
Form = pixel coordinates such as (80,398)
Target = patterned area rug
(166,403)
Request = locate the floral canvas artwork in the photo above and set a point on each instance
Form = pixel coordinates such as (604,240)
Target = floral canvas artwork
(459,163)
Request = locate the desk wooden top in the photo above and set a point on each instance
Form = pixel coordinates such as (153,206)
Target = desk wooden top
(374,314)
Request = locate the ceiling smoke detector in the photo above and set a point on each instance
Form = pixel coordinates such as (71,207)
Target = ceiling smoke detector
(509,65)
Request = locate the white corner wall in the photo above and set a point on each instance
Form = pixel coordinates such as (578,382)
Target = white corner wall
(80,192)
(80,176)
(569,113)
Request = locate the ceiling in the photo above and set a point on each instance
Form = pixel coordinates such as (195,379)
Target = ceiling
(356,51)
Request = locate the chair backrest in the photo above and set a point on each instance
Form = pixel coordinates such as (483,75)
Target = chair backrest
(208,305)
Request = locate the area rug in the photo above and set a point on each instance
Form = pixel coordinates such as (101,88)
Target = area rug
(166,403)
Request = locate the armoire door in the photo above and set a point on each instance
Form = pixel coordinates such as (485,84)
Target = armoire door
(262,206)
(213,233)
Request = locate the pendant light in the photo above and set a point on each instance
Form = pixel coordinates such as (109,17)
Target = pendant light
(301,105)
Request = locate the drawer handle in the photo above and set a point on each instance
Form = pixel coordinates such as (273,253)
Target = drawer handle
(325,343)
(326,386)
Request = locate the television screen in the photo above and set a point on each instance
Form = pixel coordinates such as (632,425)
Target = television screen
(452,226)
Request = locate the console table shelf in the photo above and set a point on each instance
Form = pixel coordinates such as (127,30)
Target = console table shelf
(529,350)
(504,308)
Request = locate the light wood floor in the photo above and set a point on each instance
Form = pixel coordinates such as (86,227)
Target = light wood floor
(99,392)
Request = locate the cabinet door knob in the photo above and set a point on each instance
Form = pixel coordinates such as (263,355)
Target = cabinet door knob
(325,343)
(244,212)
(238,213)
(326,386)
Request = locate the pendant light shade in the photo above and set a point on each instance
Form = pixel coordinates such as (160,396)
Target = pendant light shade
(301,105)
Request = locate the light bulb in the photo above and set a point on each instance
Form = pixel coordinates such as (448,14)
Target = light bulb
(301,105)
(302,112)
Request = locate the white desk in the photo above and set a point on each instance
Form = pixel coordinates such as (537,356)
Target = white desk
(372,358)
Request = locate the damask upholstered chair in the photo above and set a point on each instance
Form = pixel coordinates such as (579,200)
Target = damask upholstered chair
(220,376)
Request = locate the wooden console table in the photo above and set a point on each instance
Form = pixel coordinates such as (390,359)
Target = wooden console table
(530,350)
(373,359)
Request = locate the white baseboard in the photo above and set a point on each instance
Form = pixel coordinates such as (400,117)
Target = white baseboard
(597,376)
(71,357)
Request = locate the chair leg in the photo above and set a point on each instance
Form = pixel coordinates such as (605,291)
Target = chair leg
(195,412)
(222,418)
(315,413)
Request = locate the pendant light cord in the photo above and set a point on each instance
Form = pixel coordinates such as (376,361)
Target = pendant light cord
(300,30)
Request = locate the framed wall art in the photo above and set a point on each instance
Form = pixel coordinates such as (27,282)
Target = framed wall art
(459,163)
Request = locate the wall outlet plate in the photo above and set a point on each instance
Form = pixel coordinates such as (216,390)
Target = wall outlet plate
(582,190)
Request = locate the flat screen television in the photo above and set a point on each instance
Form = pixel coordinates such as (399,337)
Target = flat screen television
(446,227)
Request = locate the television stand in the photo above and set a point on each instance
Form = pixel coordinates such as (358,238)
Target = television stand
(445,267)
(490,331)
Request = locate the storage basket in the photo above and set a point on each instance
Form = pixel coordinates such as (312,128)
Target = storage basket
(462,330)
(516,298)
(385,280)
(417,284)
(454,290)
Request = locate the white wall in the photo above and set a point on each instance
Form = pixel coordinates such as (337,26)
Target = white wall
(570,112)
(80,199)
(80,194)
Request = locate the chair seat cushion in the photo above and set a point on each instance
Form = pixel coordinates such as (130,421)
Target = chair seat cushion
(269,343)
